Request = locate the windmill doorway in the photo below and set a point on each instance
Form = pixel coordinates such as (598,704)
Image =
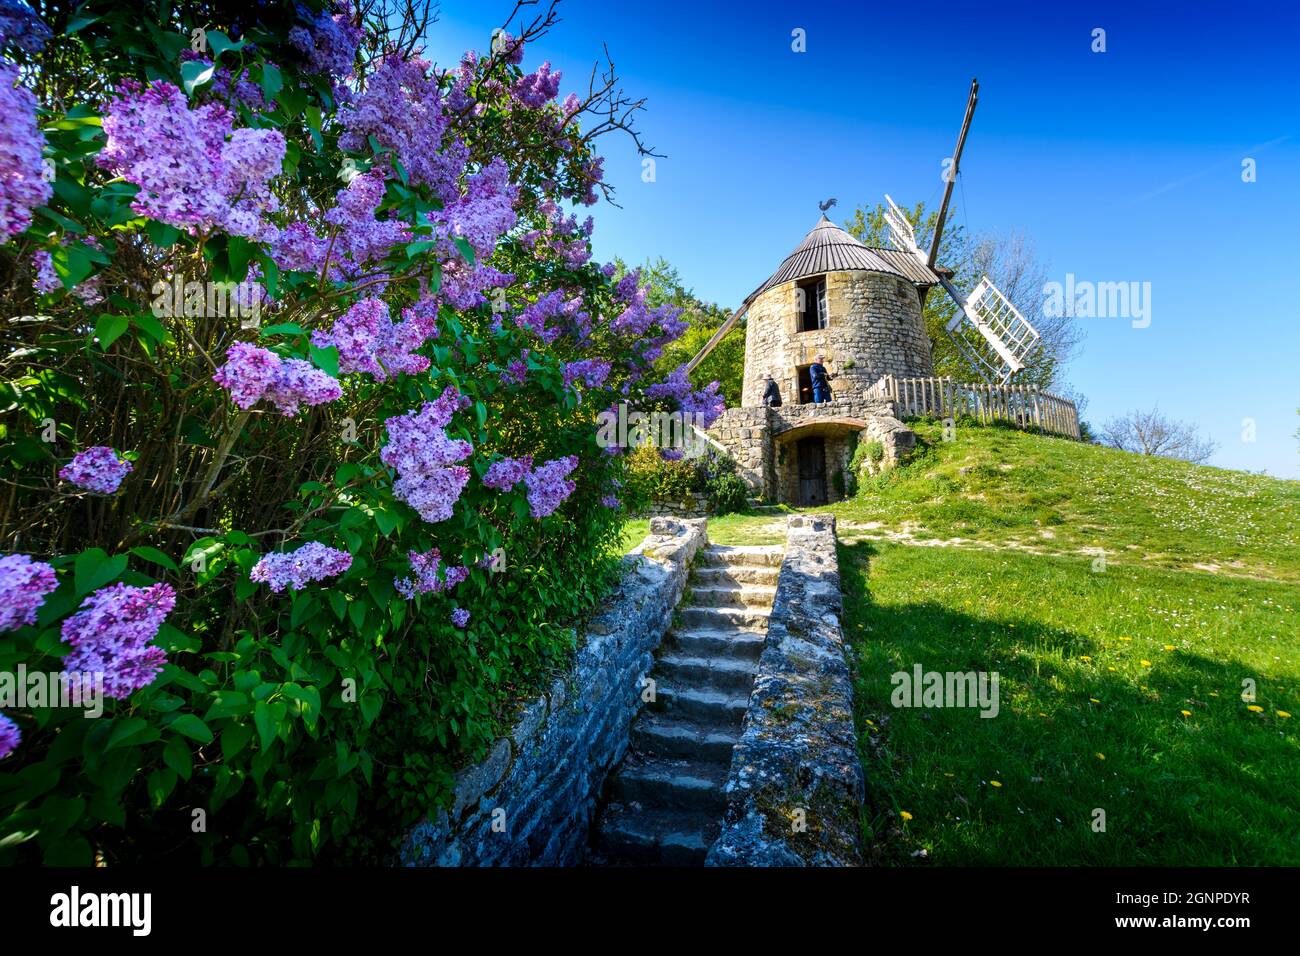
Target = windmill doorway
(811,455)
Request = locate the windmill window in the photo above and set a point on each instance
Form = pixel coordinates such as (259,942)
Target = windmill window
(810,298)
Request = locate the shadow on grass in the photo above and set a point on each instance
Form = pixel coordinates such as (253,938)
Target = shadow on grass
(1216,785)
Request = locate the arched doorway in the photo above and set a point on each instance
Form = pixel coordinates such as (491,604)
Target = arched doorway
(812,461)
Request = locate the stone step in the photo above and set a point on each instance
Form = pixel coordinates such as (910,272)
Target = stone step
(725,642)
(734,595)
(659,734)
(721,673)
(723,555)
(724,618)
(735,574)
(660,837)
(679,783)
(721,708)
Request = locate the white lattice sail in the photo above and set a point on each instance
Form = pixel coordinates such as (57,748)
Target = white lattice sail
(1003,337)
(901,233)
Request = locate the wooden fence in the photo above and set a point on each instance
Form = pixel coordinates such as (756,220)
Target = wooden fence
(1026,406)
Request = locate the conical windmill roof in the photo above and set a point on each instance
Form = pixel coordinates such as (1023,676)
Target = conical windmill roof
(828,248)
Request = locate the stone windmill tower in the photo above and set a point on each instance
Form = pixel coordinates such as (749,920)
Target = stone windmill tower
(860,308)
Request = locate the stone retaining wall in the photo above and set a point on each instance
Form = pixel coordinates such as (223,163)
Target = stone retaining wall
(531,800)
(795,787)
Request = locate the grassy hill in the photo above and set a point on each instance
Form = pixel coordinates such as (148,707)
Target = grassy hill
(1120,681)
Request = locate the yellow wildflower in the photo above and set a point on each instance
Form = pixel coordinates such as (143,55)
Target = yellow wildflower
(995,783)
(905,815)
(1255,708)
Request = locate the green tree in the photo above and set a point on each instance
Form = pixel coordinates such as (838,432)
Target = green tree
(726,363)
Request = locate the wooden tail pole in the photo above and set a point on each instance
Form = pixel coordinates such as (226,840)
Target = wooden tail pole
(717,337)
(956,161)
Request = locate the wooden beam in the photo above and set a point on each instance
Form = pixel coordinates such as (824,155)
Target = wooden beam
(717,337)
(956,162)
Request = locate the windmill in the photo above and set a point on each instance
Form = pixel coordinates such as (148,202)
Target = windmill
(987,330)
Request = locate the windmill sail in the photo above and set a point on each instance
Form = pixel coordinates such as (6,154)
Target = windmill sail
(901,233)
(990,332)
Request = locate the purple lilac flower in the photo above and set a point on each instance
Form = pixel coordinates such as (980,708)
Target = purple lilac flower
(460,617)
(360,239)
(484,214)
(610,501)
(23,186)
(252,373)
(505,474)
(189,175)
(534,316)
(548,487)
(10,738)
(516,373)
(47,280)
(330,43)
(111,636)
(420,451)
(426,579)
(96,469)
(25,584)
(296,569)
(402,108)
(20,25)
(368,341)
(591,371)
(537,89)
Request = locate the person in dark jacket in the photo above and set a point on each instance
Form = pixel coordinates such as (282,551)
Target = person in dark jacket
(771,392)
(821,384)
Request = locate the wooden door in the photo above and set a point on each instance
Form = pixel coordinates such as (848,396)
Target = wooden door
(812,471)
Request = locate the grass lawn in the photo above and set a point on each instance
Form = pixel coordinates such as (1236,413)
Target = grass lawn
(1118,690)
(1120,686)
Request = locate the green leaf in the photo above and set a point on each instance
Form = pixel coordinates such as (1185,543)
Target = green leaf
(326,359)
(191,726)
(284,328)
(160,785)
(148,323)
(160,234)
(72,264)
(264,717)
(109,328)
(94,569)
(272,82)
(80,23)
(234,739)
(154,556)
(414,249)
(465,248)
(220,43)
(195,73)
(177,755)
(125,731)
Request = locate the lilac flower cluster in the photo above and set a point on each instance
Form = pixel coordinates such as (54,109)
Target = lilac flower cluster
(426,579)
(96,469)
(705,402)
(402,108)
(296,569)
(368,341)
(592,372)
(22,171)
(330,43)
(611,501)
(47,280)
(563,236)
(20,25)
(424,457)
(484,213)
(252,373)
(548,486)
(10,738)
(510,47)
(224,86)
(189,175)
(505,474)
(537,89)
(516,373)
(553,305)
(460,617)
(360,238)
(463,285)
(25,584)
(111,636)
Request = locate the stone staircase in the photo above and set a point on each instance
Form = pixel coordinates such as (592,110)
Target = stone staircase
(664,802)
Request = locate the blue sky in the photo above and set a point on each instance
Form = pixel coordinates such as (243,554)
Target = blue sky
(1120,166)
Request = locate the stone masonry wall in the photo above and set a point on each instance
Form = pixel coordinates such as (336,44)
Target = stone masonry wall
(744,432)
(795,788)
(874,327)
(531,800)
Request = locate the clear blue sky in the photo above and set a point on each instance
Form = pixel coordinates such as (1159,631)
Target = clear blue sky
(1120,166)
